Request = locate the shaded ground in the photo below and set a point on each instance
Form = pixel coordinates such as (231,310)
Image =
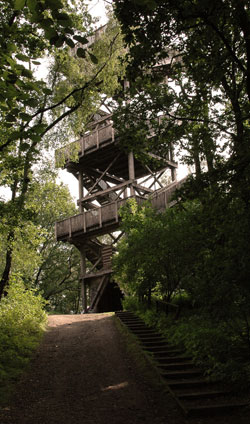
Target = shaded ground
(82,374)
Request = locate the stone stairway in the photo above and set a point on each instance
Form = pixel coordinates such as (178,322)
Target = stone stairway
(185,381)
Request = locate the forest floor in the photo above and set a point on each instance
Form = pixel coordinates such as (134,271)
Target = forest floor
(83,373)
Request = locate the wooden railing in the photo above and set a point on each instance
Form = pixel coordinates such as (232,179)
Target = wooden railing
(102,133)
(93,219)
(109,214)
(163,197)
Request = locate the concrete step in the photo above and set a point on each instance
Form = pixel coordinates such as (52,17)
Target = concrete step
(132,320)
(124,313)
(172,359)
(184,384)
(177,366)
(149,336)
(209,410)
(144,332)
(187,374)
(161,351)
(137,326)
(207,394)
(154,343)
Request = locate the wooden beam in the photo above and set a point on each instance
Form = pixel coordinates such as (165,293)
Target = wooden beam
(101,193)
(104,172)
(111,178)
(153,176)
(116,239)
(94,266)
(80,188)
(116,212)
(82,142)
(105,118)
(142,188)
(83,273)
(99,273)
(100,217)
(131,169)
(99,293)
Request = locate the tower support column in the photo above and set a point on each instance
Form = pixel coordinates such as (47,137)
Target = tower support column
(131,170)
(84,284)
(80,188)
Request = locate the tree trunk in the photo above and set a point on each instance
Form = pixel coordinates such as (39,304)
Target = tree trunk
(6,273)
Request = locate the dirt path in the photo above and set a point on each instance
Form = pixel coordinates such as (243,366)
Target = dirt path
(81,374)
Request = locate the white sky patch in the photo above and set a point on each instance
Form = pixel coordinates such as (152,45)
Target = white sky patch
(97,10)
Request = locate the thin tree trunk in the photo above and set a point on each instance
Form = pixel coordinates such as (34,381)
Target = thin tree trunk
(6,273)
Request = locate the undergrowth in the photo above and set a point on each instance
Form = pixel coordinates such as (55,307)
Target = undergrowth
(22,323)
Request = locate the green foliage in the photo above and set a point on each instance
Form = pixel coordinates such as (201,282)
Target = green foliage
(42,262)
(205,252)
(98,69)
(202,49)
(155,255)
(217,349)
(22,322)
(28,31)
(57,274)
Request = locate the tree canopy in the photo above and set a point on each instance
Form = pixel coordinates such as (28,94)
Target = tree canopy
(32,109)
(204,50)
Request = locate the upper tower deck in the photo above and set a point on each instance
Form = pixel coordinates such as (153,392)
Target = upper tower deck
(98,149)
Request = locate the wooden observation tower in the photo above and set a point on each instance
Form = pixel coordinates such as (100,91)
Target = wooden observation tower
(107,177)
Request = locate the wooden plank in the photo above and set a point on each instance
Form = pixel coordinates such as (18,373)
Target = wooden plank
(104,172)
(105,219)
(82,146)
(105,118)
(70,228)
(94,266)
(111,178)
(97,138)
(100,217)
(99,293)
(142,188)
(106,191)
(98,273)
(84,222)
(116,212)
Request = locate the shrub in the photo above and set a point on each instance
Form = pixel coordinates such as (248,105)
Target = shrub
(217,349)
(22,322)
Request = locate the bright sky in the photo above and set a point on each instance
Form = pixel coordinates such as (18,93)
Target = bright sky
(97,9)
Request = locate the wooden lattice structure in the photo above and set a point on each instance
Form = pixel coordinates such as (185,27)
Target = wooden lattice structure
(107,177)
